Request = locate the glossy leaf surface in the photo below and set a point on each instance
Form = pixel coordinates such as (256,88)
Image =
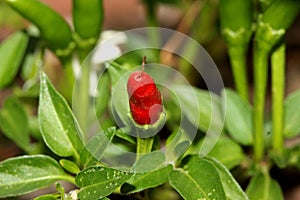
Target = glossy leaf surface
(24,174)
(58,125)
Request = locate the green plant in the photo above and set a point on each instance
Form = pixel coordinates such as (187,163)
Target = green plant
(57,139)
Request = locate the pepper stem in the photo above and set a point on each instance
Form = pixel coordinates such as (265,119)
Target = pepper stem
(260,83)
(144,145)
(143,64)
(278,77)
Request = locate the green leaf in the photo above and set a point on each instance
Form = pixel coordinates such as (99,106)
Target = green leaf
(122,133)
(14,122)
(103,94)
(11,53)
(24,174)
(98,182)
(232,189)
(238,117)
(33,125)
(48,197)
(119,79)
(70,166)
(32,65)
(231,157)
(199,179)
(263,187)
(292,115)
(149,161)
(177,144)
(96,146)
(116,71)
(208,115)
(143,181)
(58,125)
(30,89)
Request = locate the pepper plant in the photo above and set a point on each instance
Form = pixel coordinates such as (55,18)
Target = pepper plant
(56,139)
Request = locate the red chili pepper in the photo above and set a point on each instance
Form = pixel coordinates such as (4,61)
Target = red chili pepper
(144,97)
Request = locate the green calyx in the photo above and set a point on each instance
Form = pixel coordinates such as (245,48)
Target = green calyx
(84,44)
(238,37)
(147,130)
(62,53)
(266,37)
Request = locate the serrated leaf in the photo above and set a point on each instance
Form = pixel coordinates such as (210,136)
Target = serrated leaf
(14,122)
(238,117)
(263,187)
(201,107)
(142,181)
(232,189)
(199,179)
(58,126)
(98,182)
(292,115)
(24,174)
(11,53)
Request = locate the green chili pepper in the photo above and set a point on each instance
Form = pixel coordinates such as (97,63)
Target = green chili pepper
(11,53)
(281,14)
(54,30)
(236,27)
(272,24)
(236,21)
(88,18)
(263,4)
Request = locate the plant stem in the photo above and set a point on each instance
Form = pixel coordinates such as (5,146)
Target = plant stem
(260,83)
(151,12)
(67,83)
(152,22)
(238,62)
(278,79)
(144,145)
(82,100)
